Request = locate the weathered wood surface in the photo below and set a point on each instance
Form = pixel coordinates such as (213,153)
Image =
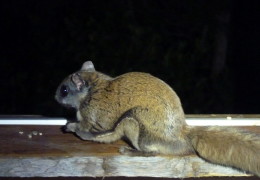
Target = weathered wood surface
(44,151)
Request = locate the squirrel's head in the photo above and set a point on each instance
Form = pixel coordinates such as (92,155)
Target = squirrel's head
(75,87)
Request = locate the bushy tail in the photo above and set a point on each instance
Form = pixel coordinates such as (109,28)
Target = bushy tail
(227,146)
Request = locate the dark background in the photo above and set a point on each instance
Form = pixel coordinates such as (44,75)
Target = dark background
(208,51)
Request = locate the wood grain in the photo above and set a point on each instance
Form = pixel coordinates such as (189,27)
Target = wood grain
(52,143)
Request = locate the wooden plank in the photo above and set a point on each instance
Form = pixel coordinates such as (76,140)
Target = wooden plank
(44,151)
(95,166)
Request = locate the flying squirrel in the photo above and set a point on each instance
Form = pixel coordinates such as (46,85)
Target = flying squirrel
(148,113)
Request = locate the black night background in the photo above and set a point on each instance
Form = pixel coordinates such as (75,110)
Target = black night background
(208,51)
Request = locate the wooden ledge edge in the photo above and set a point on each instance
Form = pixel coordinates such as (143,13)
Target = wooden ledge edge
(107,166)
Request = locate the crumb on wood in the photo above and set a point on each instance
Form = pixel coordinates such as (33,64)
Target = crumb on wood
(35,133)
(30,136)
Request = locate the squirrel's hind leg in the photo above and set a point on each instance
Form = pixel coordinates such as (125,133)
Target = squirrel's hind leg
(127,127)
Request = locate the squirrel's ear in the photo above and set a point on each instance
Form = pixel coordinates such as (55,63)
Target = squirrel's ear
(77,80)
(88,66)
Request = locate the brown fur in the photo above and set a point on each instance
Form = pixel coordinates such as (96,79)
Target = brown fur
(146,111)
(227,146)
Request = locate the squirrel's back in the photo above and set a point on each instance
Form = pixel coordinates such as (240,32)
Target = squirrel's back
(144,87)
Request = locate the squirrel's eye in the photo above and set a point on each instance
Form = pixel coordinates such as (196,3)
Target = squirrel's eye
(64,91)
